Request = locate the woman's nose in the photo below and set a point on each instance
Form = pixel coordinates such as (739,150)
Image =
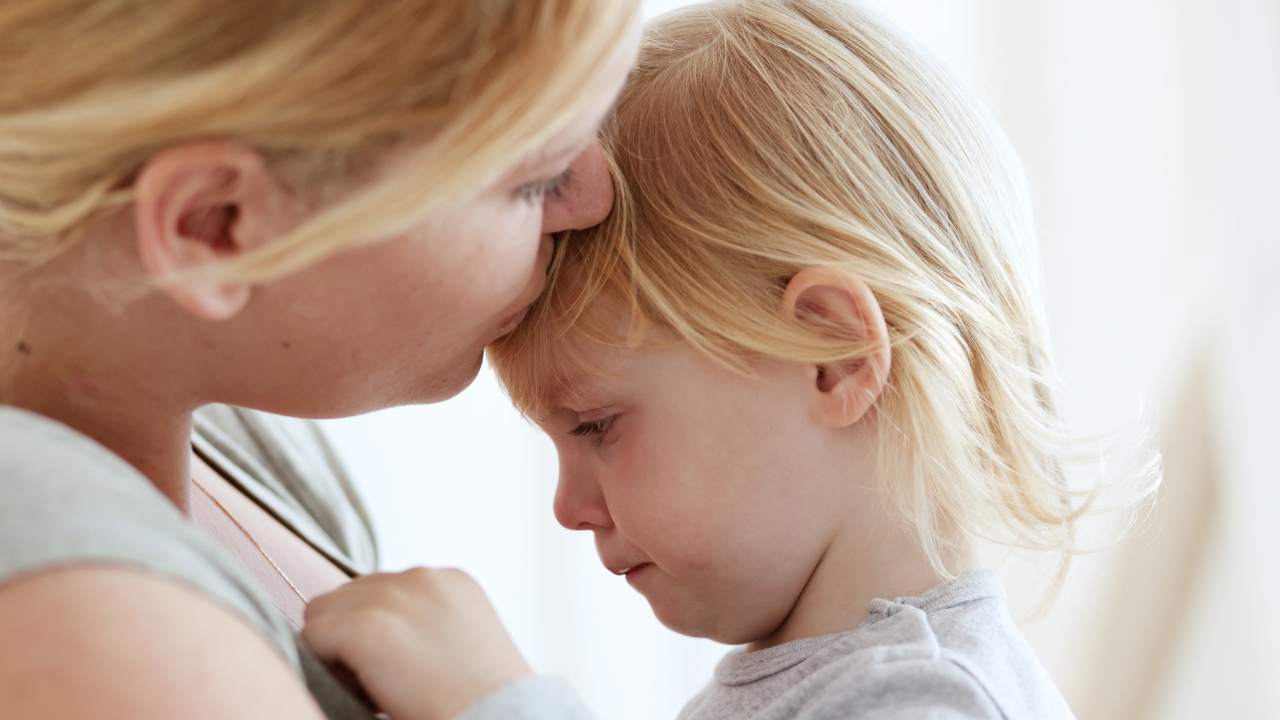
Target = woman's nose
(586,199)
(579,504)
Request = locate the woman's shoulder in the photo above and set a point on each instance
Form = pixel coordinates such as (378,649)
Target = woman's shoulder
(69,501)
(109,642)
(31,444)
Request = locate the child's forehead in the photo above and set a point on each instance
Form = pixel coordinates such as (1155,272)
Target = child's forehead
(575,349)
(584,372)
(582,368)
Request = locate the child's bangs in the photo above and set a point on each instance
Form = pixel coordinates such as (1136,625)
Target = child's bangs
(586,306)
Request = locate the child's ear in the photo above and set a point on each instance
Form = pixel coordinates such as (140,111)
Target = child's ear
(836,304)
(196,204)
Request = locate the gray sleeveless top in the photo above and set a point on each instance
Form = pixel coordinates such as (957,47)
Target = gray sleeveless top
(66,500)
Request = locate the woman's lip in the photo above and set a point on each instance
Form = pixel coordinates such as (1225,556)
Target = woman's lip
(512,322)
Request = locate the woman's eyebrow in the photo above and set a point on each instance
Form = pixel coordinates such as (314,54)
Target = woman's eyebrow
(558,149)
(540,162)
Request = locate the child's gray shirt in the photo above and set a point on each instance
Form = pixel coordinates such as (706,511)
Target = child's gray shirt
(953,652)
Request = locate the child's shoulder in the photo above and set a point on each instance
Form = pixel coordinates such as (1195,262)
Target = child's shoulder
(954,651)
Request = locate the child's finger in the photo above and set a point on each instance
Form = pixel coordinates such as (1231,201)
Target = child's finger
(421,623)
(377,590)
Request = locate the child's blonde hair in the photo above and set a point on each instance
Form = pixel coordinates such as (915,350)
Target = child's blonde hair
(757,138)
(324,89)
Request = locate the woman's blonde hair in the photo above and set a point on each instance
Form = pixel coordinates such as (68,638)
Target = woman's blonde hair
(324,89)
(760,137)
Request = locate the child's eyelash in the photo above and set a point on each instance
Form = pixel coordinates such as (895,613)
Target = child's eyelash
(592,427)
(543,189)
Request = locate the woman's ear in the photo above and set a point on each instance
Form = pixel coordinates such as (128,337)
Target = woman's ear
(199,203)
(835,304)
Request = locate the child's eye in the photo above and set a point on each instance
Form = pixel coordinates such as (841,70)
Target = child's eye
(593,427)
(537,192)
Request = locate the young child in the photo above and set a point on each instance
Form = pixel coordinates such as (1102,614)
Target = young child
(797,375)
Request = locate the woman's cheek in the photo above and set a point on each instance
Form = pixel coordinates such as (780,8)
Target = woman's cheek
(497,239)
(512,272)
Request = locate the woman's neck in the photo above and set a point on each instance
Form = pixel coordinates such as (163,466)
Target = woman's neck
(83,374)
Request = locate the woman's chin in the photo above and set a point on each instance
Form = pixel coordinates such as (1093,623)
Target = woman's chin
(427,386)
(448,384)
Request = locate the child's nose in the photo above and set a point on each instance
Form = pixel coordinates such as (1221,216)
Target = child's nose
(579,504)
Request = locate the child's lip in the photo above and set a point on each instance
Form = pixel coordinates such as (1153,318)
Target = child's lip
(625,569)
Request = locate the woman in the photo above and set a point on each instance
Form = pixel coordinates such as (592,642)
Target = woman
(309,207)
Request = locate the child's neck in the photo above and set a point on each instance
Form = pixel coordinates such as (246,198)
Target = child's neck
(861,564)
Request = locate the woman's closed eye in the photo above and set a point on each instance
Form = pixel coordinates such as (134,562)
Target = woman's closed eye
(540,191)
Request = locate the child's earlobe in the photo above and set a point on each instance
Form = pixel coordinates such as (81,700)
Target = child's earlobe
(841,308)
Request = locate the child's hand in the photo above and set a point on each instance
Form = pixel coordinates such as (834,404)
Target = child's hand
(424,643)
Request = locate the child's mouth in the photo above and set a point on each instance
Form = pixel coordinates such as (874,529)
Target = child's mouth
(625,569)
(632,571)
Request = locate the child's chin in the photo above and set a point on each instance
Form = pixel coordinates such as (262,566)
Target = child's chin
(677,623)
(674,615)
(681,618)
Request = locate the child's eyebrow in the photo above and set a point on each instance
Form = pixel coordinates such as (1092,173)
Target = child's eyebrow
(577,392)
